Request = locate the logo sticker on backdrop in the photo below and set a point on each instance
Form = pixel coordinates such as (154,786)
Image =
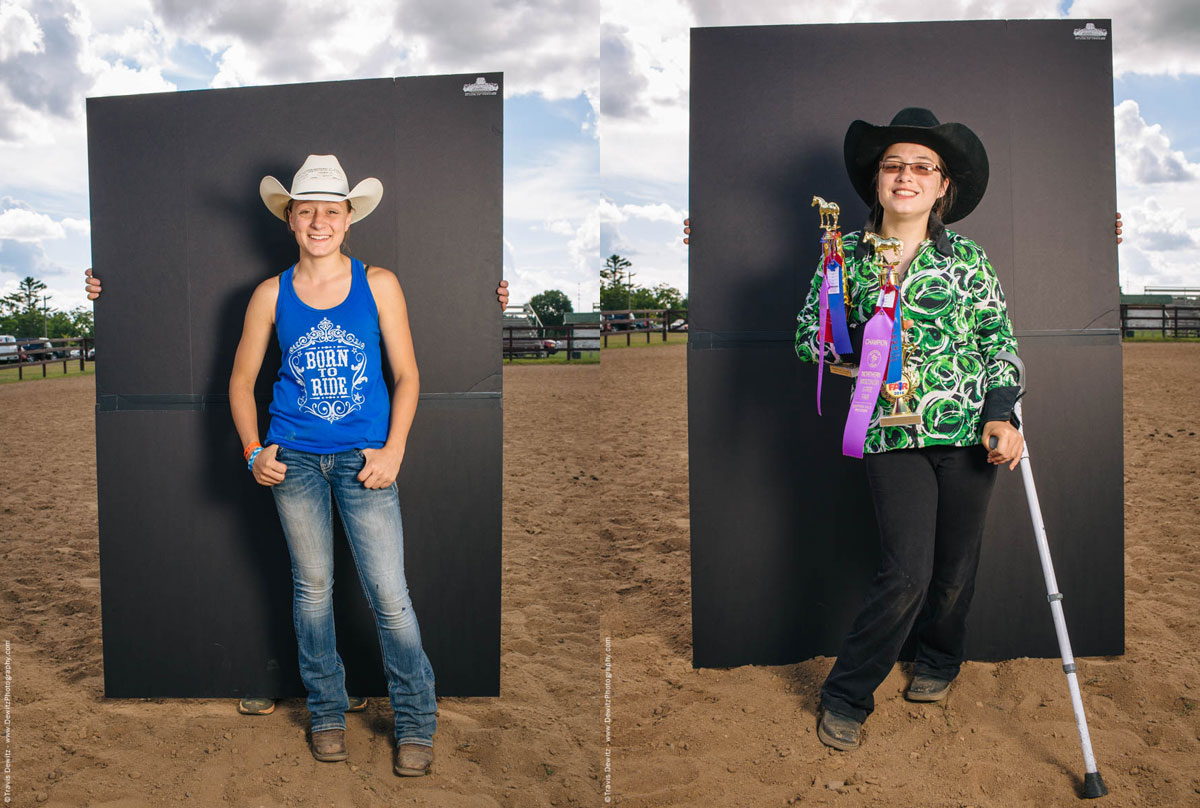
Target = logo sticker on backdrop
(329,363)
(1090,31)
(481,87)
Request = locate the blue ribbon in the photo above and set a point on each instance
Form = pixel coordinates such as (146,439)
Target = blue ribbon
(837,305)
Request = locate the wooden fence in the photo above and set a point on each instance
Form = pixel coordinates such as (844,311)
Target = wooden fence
(530,341)
(640,321)
(1166,319)
(60,350)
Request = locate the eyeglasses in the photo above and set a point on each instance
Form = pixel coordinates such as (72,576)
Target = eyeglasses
(919,169)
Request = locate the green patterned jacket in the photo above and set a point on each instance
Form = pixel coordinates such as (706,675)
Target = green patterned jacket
(960,323)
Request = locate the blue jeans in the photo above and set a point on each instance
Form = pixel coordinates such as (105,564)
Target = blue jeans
(371,518)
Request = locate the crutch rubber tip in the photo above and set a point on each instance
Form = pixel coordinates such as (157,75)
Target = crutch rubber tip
(1093,786)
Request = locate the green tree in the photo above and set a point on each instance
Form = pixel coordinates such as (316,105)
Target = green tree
(550,306)
(25,313)
(83,322)
(27,296)
(10,304)
(614,267)
(642,298)
(22,324)
(74,323)
(667,297)
(615,283)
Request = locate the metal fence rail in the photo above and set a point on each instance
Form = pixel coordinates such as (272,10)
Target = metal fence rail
(1168,319)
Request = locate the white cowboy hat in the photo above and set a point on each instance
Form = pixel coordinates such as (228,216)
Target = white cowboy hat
(321,178)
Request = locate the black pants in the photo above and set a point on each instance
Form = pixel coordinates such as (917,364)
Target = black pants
(930,504)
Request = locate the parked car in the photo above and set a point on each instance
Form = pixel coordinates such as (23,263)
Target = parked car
(34,350)
(619,321)
(678,325)
(9,352)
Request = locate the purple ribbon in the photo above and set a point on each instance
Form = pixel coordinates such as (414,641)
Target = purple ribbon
(873,363)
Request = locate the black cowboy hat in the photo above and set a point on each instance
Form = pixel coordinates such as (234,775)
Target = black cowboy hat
(960,149)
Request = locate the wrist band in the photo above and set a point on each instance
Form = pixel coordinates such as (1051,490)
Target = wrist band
(250,461)
(249,450)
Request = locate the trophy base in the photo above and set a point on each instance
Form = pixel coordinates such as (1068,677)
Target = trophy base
(847,370)
(906,419)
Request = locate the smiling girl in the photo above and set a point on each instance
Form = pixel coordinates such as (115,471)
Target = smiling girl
(339,429)
(930,481)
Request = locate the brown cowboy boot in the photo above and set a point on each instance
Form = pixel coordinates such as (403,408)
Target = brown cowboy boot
(412,760)
(329,745)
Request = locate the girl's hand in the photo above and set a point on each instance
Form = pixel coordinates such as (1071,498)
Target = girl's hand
(1009,443)
(381,467)
(687,231)
(267,470)
(93,284)
(502,294)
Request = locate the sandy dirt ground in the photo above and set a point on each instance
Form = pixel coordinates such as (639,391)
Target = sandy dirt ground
(601,554)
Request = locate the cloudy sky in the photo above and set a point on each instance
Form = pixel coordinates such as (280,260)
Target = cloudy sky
(595,111)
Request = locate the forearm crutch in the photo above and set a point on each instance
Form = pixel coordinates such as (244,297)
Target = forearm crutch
(1093,783)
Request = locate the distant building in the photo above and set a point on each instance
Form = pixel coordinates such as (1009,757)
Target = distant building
(583,339)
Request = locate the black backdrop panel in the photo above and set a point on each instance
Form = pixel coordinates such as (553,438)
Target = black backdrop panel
(779,566)
(195,575)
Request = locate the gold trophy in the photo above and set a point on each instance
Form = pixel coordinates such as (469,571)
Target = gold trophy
(902,392)
(831,242)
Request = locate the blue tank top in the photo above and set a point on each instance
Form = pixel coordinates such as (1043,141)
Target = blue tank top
(330,396)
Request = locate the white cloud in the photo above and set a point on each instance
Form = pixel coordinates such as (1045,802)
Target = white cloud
(622,82)
(1144,153)
(1157,187)
(21,224)
(584,247)
(612,216)
(19,31)
(661,212)
(544,46)
(1158,229)
(1161,37)
(21,259)
(609,218)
